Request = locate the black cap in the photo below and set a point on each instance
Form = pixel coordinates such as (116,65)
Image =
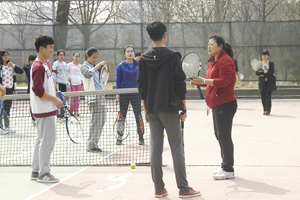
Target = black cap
(265,52)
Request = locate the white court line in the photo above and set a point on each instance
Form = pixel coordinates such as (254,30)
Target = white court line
(72,175)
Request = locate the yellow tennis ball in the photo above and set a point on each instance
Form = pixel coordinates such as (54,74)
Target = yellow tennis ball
(133,165)
(82,115)
(0,92)
(60,122)
(164,134)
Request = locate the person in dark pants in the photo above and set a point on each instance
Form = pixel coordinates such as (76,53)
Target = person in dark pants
(26,69)
(266,82)
(8,79)
(161,84)
(126,76)
(219,83)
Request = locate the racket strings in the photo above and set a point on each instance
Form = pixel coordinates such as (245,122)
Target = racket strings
(191,65)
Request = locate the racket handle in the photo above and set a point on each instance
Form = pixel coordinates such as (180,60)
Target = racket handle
(61,97)
(200,92)
(182,125)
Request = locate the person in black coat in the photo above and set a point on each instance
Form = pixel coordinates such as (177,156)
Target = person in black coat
(27,68)
(266,81)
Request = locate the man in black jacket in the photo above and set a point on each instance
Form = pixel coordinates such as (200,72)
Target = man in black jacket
(161,84)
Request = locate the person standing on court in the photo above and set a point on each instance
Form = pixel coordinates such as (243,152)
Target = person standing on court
(161,84)
(8,79)
(266,82)
(220,97)
(90,73)
(74,77)
(27,68)
(44,104)
(126,76)
(60,76)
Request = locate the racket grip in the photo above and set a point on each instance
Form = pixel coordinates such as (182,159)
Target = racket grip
(182,125)
(200,92)
(61,97)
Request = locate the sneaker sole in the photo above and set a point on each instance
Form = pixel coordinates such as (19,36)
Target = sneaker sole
(188,196)
(160,196)
(33,179)
(223,178)
(43,181)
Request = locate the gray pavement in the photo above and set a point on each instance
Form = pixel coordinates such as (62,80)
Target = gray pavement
(267,162)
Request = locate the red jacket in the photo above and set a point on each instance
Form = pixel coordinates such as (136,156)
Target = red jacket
(222,71)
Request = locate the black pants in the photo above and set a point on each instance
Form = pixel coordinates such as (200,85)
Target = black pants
(135,101)
(266,101)
(222,118)
(6,105)
(63,88)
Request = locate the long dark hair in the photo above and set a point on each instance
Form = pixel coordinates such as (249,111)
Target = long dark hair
(2,52)
(221,41)
(130,46)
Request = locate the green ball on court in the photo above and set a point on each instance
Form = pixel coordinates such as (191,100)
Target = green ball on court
(133,165)
(60,122)
(82,115)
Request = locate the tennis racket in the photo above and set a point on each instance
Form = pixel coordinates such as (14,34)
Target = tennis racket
(119,129)
(4,115)
(73,125)
(241,77)
(256,65)
(104,76)
(191,66)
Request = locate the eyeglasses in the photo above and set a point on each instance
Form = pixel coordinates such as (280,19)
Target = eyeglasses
(6,54)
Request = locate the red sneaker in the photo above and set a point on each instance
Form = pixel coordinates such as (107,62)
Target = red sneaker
(190,193)
(161,194)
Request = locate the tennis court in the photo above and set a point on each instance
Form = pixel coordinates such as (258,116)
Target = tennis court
(266,162)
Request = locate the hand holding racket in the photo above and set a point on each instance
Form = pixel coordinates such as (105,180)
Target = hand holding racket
(191,66)
(119,129)
(73,125)
(104,74)
(256,65)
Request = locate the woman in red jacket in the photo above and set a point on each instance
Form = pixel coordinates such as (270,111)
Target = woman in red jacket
(220,97)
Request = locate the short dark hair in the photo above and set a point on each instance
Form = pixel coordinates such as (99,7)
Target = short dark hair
(219,39)
(75,53)
(90,51)
(43,40)
(265,52)
(138,54)
(156,30)
(60,50)
(31,57)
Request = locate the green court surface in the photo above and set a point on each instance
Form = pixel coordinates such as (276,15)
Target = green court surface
(266,163)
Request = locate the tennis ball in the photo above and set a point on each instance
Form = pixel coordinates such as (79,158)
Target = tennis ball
(60,122)
(0,92)
(164,134)
(133,165)
(82,115)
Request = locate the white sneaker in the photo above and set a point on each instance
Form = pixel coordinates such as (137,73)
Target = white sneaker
(11,131)
(217,171)
(222,175)
(3,132)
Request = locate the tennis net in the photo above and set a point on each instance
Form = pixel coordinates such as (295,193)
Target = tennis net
(16,148)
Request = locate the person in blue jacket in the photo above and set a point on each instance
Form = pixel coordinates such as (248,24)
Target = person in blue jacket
(127,78)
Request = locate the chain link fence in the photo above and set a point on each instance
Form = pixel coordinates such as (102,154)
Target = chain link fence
(248,39)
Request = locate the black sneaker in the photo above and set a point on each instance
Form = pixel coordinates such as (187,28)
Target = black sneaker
(119,142)
(95,149)
(34,175)
(141,142)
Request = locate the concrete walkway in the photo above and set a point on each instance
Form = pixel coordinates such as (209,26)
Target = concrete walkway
(267,163)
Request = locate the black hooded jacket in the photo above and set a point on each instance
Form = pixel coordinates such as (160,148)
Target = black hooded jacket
(161,80)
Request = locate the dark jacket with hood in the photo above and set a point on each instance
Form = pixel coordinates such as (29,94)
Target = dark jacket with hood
(161,80)
(270,84)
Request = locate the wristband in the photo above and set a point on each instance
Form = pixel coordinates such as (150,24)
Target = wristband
(204,81)
(182,112)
